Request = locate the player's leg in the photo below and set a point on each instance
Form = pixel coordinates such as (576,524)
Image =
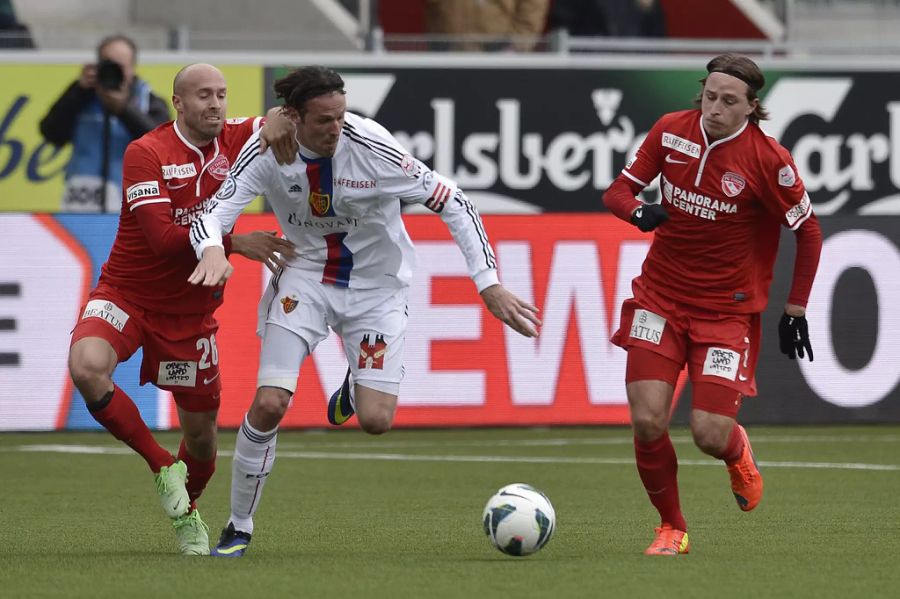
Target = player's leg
(282,354)
(198,452)
(717,433)
(372,325)
(96,349)
(650,384)
(722,364)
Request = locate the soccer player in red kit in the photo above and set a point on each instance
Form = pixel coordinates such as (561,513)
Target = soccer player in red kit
(143,299)
(727,188)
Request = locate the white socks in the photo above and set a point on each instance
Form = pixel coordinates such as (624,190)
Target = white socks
(254,454)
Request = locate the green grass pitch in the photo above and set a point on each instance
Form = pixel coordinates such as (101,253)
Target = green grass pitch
(347,515)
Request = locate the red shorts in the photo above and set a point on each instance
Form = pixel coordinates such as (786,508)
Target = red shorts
(180,353)
(719,348)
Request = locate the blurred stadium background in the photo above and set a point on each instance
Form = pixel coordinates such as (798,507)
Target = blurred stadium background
(534,137)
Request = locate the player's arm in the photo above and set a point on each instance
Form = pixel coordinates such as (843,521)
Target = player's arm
(246,180)
(279,134)
(621,196)
(145,195)
(787,198)
(406,177)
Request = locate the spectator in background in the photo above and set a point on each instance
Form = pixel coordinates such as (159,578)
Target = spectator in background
(520,21)
(613,18)
(100,114)
(12,33)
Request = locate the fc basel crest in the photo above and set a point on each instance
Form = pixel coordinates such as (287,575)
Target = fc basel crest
(288,304)
(320,203)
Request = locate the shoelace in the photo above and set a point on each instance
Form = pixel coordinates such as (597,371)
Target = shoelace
(666,539)
(162,480)
(191,519)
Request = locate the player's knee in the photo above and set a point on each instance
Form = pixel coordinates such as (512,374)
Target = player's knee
(709,439)
(89,375)
(377,422)
(647,425)
(271,403)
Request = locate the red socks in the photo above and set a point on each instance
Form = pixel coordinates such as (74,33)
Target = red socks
(118,414)
(658,468)
(199,472)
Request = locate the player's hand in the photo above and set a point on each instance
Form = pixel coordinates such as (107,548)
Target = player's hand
(279,134)
(793,336)
(88,78)
(518,314)
(213,269)
(649,216)
(265,247)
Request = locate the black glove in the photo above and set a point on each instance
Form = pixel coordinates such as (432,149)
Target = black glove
(793,336)
(649,216)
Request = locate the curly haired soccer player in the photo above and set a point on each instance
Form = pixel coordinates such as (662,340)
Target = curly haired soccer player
(727,189)
(340,205)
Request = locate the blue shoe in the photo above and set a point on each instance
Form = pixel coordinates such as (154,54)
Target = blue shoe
(339,408)
(232,543)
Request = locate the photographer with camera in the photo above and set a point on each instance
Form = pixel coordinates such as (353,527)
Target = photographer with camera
(100,114)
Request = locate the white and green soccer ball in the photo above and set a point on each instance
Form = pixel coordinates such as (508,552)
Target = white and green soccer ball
(519,519)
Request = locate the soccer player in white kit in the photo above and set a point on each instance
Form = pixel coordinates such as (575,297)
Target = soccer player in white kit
(339,204)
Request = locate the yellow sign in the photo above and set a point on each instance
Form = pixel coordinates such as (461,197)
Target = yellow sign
(32,170)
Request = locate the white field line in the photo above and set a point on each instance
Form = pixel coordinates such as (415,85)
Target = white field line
(397,457)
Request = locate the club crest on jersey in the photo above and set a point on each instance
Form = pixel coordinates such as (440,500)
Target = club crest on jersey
(733,184)
(218,168)
(288,304)
(320,203)
(371,355)
(409,166)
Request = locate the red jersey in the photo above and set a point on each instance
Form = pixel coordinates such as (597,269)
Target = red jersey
(166,183)
(726,200)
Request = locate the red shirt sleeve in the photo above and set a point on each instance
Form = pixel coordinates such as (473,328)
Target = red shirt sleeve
(806,262)
(147,198)
(640,171)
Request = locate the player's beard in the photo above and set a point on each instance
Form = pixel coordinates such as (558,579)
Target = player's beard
(208,129)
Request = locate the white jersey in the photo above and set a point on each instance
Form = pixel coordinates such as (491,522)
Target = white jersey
(343,212)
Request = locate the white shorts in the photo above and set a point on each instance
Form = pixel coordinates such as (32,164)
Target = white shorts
(370,322)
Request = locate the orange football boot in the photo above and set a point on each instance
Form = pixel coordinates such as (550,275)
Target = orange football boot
(746,481)
(668,541)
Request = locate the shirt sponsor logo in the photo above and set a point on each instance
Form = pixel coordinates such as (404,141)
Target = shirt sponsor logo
(236,120)
(179,171)
(218,168)
(144,189)
(185,216)
(694,203)
(722,363)
(670,140)
(329,224)
(108,311)
(355,183)
(177,374)
(786,176)
(733,184)
(227,189)
(798,211)
(647,326)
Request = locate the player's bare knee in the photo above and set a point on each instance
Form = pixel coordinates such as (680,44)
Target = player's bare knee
(271,403)
(90,377)
(648,426)
(377,422)
(709,439)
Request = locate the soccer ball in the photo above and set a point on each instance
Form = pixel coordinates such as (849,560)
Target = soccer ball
(519,519)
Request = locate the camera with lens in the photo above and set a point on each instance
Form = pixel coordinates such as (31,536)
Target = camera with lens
(110,74)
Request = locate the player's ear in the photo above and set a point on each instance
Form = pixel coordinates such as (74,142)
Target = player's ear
(754,103)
